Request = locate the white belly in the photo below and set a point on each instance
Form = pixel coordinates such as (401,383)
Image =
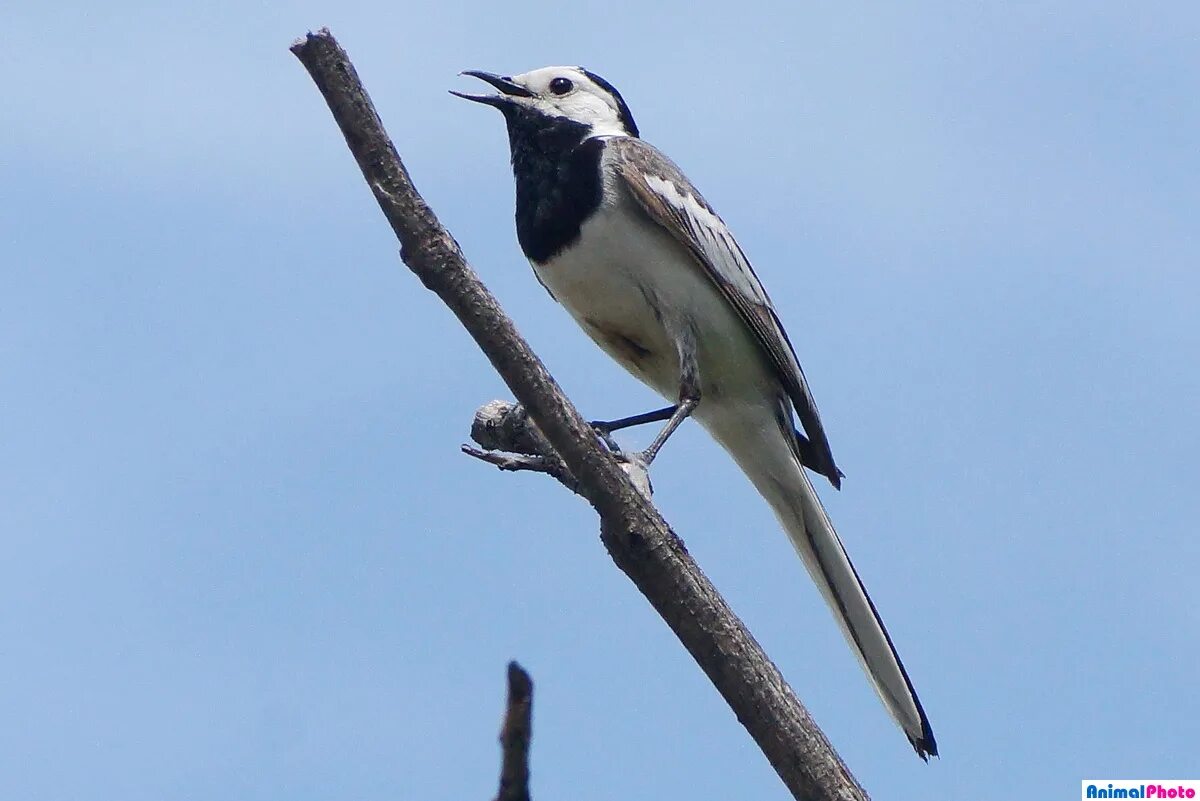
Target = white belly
(636,292)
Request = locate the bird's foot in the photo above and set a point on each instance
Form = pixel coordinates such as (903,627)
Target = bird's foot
(604,432)
(638,469)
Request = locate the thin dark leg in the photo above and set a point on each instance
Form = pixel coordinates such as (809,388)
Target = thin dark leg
(681,413)
(689,395)
(656,416)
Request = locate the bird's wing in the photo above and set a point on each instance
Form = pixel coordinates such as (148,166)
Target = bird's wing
(671,201)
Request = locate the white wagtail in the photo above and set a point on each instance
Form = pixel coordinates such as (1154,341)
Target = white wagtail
(623,240)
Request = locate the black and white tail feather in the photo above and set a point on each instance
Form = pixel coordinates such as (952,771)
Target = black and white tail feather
(620,237)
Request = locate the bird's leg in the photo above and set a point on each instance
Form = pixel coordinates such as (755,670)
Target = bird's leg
(682,412)
(656,416)
(604,428)
(689,397)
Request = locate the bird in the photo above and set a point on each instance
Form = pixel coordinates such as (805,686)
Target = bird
(619,236)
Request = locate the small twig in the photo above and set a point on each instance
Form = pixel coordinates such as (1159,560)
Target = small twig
(503,426)
(514,443)
(518,462)
(515,734)
(512,462)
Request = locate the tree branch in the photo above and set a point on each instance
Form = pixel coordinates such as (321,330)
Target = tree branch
(636,536)
(515,735)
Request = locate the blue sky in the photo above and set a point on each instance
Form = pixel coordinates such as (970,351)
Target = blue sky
(245,559)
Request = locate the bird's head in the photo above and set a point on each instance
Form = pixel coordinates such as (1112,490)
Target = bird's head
(556,94)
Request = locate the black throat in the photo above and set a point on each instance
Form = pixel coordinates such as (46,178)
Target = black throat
(557,171)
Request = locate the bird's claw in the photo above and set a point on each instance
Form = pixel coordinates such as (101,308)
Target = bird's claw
(605,435)
(638,469)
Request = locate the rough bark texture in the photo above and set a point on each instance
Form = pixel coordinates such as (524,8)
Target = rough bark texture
(636,536)
(515,735)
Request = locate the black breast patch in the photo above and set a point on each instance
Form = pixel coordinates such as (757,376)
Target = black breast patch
(557,173)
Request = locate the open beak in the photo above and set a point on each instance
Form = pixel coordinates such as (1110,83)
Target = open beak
(504,85)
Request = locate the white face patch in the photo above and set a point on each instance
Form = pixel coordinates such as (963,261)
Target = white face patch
(584,102)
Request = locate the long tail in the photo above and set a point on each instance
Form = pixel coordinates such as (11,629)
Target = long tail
(811,532)
(781,480)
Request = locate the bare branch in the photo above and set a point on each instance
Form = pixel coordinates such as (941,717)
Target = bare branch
(515,462)
(513,442)
(515,735)
(636,536)
(503,426)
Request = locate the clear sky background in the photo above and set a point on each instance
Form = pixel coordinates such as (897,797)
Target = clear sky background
(243,557)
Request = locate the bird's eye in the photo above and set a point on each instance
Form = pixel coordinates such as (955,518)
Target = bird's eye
(560,86)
